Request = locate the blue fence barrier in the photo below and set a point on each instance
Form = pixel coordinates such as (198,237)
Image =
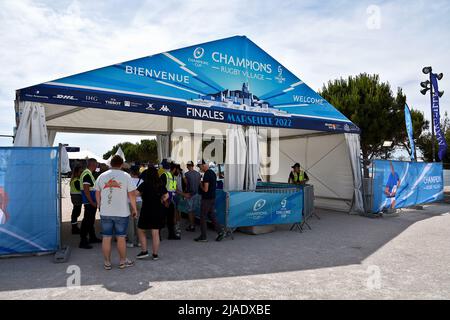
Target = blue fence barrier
(403,184)
(264,207)
(247,209)
(28,200)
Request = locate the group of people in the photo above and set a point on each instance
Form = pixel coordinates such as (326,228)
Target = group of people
(135,202)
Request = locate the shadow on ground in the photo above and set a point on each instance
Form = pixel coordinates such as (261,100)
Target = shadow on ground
(335,240)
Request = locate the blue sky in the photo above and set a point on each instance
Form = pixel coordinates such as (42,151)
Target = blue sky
(318,41)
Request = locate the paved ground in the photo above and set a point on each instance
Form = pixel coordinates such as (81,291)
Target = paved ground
(340,258)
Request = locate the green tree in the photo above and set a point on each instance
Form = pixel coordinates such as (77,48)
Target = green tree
(372,106)
(143,151)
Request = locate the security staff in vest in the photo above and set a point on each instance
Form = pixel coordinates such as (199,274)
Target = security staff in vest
(169,180)
(298,176)
(75,197)
(90,206)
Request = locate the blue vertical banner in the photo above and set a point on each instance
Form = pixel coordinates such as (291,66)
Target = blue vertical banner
(28,200)
(399,184)
(437,118)
(410,131)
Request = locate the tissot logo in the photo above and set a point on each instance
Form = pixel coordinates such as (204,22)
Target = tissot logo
(164,108)
(65,97)
(113,102)
(199,52)
(259,205)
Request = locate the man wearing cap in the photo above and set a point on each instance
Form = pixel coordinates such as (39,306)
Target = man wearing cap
(208,192)
(193,179)
(297,175)
(164,167)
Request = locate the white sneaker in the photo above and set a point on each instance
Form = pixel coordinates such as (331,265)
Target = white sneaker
(130,245)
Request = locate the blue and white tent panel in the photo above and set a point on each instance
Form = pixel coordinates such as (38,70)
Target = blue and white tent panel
(230,80)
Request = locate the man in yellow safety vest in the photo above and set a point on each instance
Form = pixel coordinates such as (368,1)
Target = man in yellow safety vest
(169,180)
(297,175)
(90,206)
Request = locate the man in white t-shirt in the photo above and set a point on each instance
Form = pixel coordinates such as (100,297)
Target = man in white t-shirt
(113,188)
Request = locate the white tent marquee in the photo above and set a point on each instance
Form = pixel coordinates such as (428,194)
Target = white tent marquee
(198,92)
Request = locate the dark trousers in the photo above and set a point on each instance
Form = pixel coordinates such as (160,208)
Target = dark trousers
(87,225)
(170,219)
(76,212)
(208,209)
(77,204)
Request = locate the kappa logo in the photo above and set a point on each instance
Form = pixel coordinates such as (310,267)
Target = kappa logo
(199,52)
(259,205)
(65,97)
(150,107)
(164,108)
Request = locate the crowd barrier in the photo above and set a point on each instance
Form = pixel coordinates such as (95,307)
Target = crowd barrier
(269,204)
(29,202)
(397,184)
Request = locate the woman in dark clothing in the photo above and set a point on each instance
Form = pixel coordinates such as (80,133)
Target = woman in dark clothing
(75,197)
(154,196)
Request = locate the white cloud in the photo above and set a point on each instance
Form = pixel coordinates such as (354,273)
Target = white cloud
(44,40)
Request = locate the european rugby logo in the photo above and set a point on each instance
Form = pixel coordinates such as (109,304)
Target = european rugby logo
(259,205)
(199,52)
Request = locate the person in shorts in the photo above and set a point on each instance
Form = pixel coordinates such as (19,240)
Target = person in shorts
(113,188)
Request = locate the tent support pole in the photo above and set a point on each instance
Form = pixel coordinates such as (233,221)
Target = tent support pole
(269,151)
(60,195)
(170,130)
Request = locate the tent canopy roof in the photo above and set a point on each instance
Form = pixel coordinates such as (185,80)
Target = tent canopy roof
(228,81)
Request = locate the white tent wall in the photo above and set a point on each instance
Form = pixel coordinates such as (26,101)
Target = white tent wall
(185,147)
(51,137)
(32,129)
(354,147)
(253,159)
(235,159)
(163,147)
(90,120)
(327,162)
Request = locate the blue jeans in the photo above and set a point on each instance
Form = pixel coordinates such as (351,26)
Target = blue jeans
(118,225)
